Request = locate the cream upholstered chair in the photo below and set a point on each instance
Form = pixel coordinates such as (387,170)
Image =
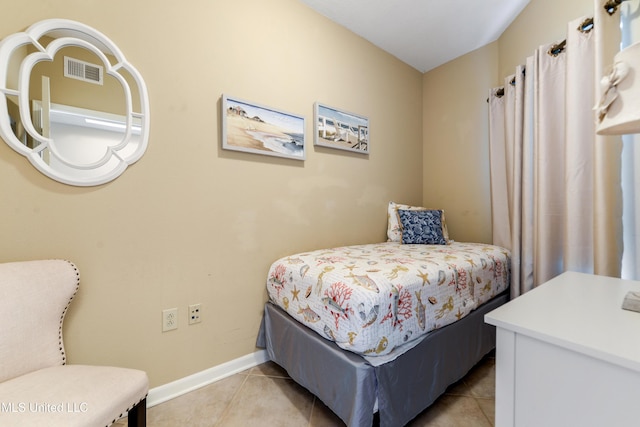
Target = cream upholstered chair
(37,387)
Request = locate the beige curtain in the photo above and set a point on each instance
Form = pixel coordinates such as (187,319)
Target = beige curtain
(556,193)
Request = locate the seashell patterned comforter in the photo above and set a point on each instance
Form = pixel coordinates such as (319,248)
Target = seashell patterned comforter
(377,299)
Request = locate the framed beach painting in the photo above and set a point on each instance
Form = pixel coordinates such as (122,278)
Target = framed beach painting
(254,128)
(340,129)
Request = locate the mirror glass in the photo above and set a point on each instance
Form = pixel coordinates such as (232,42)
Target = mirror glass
(71,102)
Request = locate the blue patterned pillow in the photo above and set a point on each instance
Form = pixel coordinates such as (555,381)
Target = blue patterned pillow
(421,227)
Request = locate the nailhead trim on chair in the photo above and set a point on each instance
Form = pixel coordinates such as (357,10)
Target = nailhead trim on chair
(128,409)
(64,312)
(61,345)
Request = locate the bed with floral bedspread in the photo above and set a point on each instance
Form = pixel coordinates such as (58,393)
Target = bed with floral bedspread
(381,330)
(376,300)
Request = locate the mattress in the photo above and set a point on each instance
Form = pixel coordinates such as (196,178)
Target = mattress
(378,300)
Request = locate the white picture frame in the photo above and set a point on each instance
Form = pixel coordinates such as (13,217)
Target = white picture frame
(337,128)
(253,128)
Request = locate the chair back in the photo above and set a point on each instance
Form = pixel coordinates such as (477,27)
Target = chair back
(34,297)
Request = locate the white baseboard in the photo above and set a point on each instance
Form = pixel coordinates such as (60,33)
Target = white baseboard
(184,385)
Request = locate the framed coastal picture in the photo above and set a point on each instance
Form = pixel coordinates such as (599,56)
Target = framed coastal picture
(340,129)
(254,128)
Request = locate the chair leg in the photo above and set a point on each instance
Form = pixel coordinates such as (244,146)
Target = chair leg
(137,416)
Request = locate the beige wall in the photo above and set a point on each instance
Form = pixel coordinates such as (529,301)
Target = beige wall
(191,223)
(456,151)
(455,117)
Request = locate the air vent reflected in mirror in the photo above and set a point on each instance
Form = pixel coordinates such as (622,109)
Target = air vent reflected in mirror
(81,70)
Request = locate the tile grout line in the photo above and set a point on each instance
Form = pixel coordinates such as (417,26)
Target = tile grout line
(476,399)
(313,405)
(235,396)
(481,410)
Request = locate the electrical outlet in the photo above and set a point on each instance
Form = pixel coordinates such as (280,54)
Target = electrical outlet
(195,314)
(169,319)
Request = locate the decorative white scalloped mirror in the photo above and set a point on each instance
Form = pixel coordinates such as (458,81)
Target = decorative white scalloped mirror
(71,103)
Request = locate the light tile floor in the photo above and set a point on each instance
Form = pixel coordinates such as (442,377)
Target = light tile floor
(266,396)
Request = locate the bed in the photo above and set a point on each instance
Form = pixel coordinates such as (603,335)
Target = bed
(384,328)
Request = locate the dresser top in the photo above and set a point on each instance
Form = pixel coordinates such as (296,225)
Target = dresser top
(580,312)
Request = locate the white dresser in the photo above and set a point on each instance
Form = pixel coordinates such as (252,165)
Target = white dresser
(568,355)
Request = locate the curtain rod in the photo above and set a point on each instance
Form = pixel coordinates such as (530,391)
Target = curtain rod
(585,27)
(558,48)
(498,93)
(612,6)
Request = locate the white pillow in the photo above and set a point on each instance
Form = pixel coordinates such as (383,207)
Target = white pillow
(394,226)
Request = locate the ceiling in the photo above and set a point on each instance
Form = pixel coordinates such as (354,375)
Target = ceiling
(423,33)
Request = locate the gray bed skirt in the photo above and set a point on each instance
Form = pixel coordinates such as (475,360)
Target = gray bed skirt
(402,388)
